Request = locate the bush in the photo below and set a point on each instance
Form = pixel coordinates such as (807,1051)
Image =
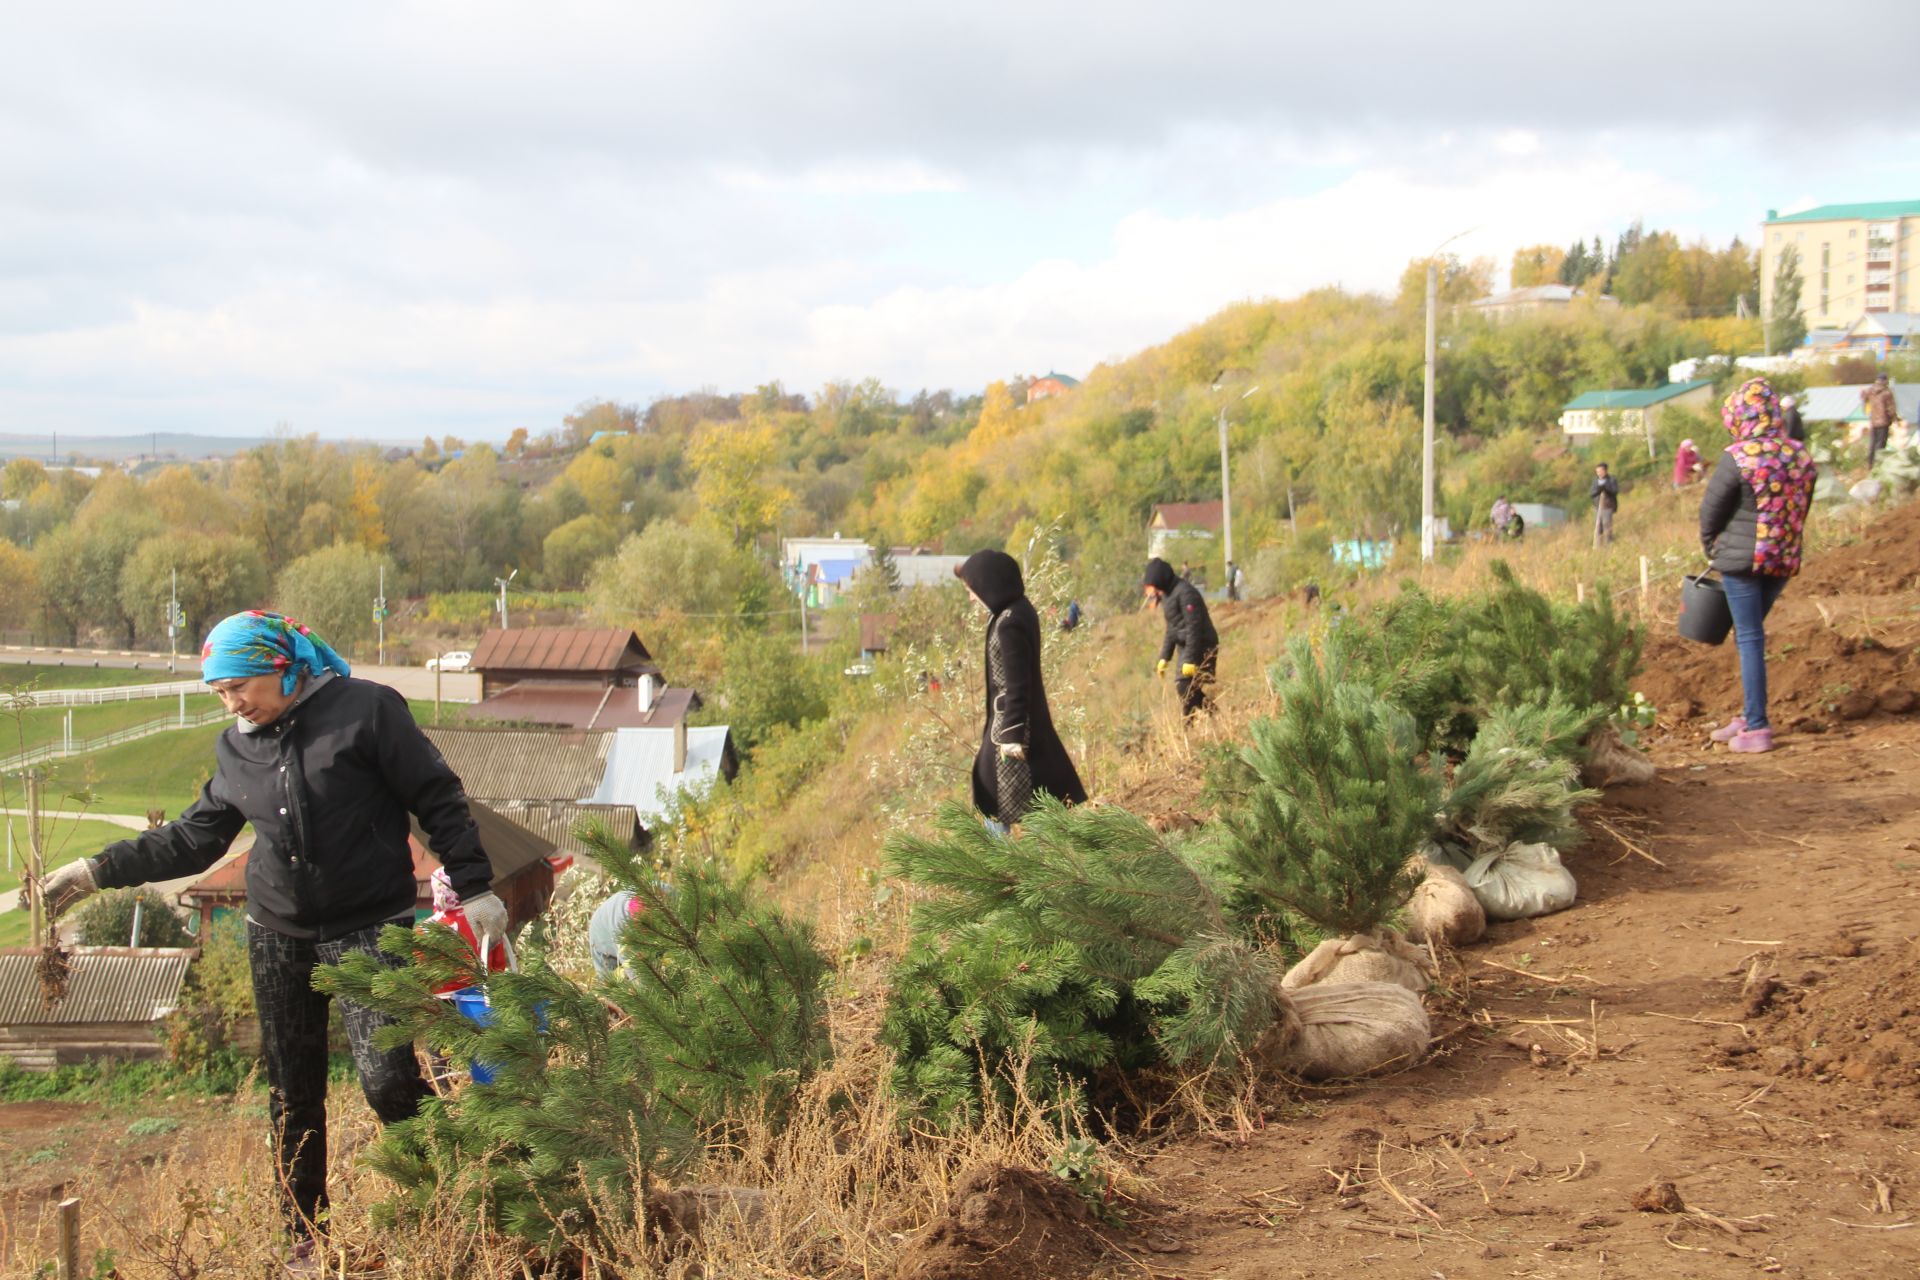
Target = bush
(107,921)
(214,1031)
(1520,781)
(1336,804)
(1516,647)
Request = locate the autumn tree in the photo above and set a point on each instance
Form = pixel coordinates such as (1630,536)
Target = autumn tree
(683,569)
(571,551)
(186,502)
(19,588)
(21,477)
(1537,264)
(517,442)
(79,567)
(365,523)
(732,463)
(217,574)
(276,485)
(595,416)
(1459,281)
(332,590)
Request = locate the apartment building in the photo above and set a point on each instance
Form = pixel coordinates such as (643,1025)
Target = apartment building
(1855,260)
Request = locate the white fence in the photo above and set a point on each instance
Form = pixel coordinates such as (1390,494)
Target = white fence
(97,697)
(80,746)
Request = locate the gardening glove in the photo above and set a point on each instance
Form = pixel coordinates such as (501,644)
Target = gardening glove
(61,888)
(1161,669)
(1188,670)
(1013,750)
(488,916)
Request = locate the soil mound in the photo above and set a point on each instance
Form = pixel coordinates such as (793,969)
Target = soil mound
(1006,1222)
(1858,1025)
(1815,676)
(1884,561)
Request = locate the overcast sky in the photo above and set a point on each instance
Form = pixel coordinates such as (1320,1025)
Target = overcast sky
(397,218)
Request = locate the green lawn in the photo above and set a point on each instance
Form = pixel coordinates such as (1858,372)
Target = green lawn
(14,674)
(69,840)
(165,771)
(39,726)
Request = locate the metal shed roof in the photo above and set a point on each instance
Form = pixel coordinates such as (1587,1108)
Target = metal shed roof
(105,984)
(510,764)
(1634,397)
(579,650)
(640,769)
(576,705)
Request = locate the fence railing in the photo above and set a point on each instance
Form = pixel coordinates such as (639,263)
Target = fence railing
(132,733)
(120,693)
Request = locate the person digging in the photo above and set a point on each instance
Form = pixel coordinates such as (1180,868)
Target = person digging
(1189,632)
(326,768)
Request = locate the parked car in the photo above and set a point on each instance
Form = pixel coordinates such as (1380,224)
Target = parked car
(458,660)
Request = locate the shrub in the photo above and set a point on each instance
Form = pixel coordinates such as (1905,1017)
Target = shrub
(1516,647)
(107,921)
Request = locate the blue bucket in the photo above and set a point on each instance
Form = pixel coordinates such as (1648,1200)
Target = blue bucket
(472,1005)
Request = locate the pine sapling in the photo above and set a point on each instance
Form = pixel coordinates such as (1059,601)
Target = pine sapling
(1339,803)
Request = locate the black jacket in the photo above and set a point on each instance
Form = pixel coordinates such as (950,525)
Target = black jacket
(1790,419)
(1189,625)
(1605,493)
(1729,514)
(1016,709)
(328,788)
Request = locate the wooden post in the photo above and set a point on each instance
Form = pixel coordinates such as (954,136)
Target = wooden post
(1580,593)
(70,1239)
(36,899)
(1643,581)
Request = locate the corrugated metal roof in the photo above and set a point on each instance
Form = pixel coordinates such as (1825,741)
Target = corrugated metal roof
(105,984)
(556,820)
(583,650)
(1897,324)
(511,764)
(926,570)
(1842,404)
(584,706)
(1186,515)
(640,767)
(1634,398)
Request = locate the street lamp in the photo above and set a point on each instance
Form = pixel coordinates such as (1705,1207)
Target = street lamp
(1426,422)
(1226,487)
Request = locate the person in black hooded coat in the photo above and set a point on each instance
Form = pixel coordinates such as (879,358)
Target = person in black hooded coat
(1189,630)
(1020,753)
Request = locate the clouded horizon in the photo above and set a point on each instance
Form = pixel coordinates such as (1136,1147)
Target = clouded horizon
(392,220)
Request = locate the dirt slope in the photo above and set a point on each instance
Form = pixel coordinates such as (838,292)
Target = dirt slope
(1740,1019)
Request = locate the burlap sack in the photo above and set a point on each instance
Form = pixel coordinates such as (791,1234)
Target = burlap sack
(1612,763)
(1366,957)
(1521,881)
(1354,1029)
(1445,910)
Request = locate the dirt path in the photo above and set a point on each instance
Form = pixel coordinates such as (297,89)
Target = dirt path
(1742,1021)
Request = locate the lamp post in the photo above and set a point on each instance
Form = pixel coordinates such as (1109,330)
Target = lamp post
(1226,487)
(1426,420)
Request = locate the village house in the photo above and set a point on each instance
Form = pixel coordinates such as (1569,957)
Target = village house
(116,1000)
(1596,414)
(1533,299)
(574,678)
(1183,520)
(1048,385)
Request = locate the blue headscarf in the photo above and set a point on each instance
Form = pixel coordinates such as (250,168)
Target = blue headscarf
(256,643)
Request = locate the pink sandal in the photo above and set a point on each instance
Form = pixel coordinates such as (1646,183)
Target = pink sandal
(1730,730)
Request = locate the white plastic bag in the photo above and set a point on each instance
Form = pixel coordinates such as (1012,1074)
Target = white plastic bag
(1521,881)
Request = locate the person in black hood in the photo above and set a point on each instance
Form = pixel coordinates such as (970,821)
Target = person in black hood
(1189,630)
(1020,753)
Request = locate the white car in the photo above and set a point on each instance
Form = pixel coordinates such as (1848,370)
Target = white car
(458,660)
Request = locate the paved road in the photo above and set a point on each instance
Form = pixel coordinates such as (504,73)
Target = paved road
(413,682)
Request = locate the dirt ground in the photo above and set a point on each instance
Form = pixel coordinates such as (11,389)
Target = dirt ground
(1731,1007)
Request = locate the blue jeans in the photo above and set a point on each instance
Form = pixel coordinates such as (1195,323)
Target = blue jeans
(1750,597)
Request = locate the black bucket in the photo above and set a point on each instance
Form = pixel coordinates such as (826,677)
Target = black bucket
(1704,615)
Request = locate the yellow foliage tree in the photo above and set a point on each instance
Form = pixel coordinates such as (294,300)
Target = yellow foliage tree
(1537,264)
(365,523)
(999,422)
(731,461)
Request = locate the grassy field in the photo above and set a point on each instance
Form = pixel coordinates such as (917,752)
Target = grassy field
(42,676)
(164,771)
(39,726)
(69,839)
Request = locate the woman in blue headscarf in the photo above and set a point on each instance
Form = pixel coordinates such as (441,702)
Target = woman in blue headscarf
(327,768)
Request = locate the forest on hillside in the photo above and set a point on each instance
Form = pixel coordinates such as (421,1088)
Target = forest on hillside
(672,513)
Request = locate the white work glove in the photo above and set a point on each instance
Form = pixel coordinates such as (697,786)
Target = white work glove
(488,916)
(62,888)
(1013,750)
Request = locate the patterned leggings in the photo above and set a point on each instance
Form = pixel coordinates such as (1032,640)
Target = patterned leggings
(293,1038)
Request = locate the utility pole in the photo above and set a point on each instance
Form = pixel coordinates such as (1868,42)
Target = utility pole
(174,622)
(1426,422)
(1226,486)
(502,584)
(380,614)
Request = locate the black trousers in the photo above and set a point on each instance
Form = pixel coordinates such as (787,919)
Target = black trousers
(1876,441)
(1193,689)
(293,1040)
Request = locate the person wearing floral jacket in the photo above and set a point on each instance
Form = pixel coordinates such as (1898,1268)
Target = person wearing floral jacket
(1753,518)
